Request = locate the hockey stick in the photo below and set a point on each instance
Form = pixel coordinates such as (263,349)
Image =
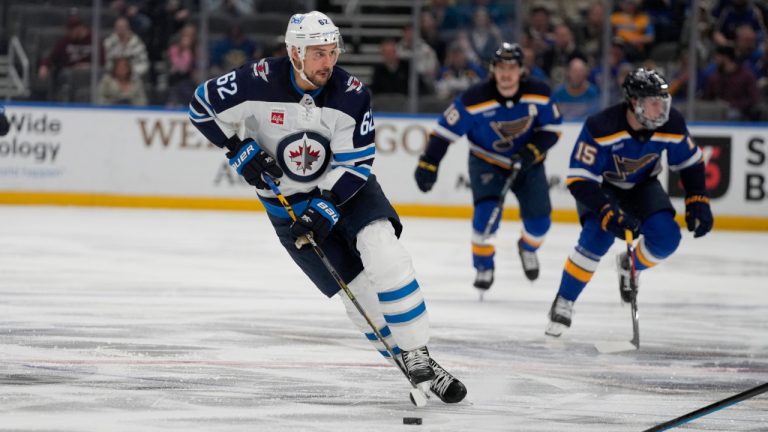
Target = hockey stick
(418,396)
(634,344)
(497,210)
(709,409)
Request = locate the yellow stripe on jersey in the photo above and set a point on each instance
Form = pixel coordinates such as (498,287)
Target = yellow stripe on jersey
(483,250)
(571,180)
(534,98)
(640,257)
(482,106)
(491,161)
(531,241)
(667,137)
(610,139)
(577,272)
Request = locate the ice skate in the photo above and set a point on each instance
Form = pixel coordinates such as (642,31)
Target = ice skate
(484,279)
(417,364)
(446,386)
(559,316)
(529,260)
(623,269)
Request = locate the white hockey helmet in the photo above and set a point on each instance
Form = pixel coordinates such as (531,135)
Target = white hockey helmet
(312,28)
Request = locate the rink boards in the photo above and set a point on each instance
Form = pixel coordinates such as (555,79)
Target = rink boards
(81,155)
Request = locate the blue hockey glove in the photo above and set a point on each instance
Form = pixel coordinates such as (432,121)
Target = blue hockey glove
(252,162)
(426,173)
(615,221)
(698,215)
(318,220)
(527,156)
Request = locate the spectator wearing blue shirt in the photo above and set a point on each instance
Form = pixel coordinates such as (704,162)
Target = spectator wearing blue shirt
(732,14)
(458,74)
(234,50)
(577,98)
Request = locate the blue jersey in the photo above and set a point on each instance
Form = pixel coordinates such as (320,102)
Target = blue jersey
(321,139)
(498,127)
(609,150)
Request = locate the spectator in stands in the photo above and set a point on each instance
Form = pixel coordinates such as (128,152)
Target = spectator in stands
(484,35)
(529,61)
(182,55)
(120,87)
(427,64)
(732,14)
(635,27)
(616,60)
(72,50)
(540,28)
(747,51)
(391,74)
(577,98)
(589,32)
(236,8)
(233,50)
(734,84)
(667,17)
(555,59)
(448,18)
(458,73)
(124,43)
(431,36)
(131,9)
(167,18)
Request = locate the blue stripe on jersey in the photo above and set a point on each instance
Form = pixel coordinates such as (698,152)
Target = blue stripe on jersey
(281,212)
(385,331)
(197,117)
(362,170)
(200,92)
(313,93)
(348,156)
(399,293)
(407,316)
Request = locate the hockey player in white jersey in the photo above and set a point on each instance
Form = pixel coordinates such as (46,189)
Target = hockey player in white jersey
(308,124)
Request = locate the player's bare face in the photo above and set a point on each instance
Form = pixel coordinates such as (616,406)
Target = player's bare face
(319,61)
(507,76)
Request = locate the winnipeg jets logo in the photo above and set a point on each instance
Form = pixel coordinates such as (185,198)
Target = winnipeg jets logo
(626,166)
(353,84)
(304,156)
(261,69)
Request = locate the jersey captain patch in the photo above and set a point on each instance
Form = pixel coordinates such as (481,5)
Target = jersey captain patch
(304,156)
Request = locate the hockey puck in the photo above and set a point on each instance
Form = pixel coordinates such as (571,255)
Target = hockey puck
(412,420)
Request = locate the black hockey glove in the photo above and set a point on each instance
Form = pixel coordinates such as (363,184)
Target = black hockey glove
(698,215)
(615,221)
(426,173)
(4,126)
(318,220)
(527,156)
(252,162)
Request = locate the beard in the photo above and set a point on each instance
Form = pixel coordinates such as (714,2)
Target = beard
(320,77)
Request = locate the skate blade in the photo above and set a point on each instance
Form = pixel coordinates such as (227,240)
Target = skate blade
(614,347)
(555,329)
(418,398)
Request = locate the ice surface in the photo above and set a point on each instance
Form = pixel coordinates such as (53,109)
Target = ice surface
(145,320)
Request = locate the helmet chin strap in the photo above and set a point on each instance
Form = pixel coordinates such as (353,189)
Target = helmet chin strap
(301,70)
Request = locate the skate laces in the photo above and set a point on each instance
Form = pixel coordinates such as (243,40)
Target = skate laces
(416,359)
(442,379)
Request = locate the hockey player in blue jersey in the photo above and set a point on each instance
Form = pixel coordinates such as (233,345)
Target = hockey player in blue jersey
(508,121)
(307,124)
(612,175)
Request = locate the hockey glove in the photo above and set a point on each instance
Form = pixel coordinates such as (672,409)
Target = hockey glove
(317,220)
(252,162)
(426,173)
(698,215)
(615,221)
(527,156)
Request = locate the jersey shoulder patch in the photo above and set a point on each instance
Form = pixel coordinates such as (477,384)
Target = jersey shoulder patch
(347,93)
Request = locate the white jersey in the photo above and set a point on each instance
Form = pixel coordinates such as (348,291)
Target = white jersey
(320,139)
